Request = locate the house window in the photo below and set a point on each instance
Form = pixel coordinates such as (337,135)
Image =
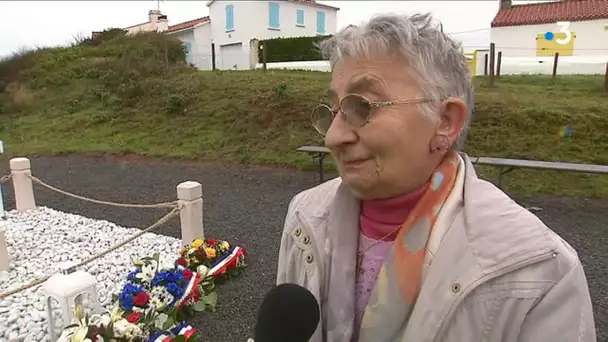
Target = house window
(273,15)
(229,18)
(189,48)
(300,18)
(320,22)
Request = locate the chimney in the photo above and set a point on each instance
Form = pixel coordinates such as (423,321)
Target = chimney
(505,4)
(158,21)
(162,24)
(153,16)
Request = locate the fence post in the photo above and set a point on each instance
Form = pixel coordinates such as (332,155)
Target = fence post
(22,184)
(190,200)
(498,63)
(213,56)
(492,61)
(485,64)
(4,260)
(264,60)
(555,64)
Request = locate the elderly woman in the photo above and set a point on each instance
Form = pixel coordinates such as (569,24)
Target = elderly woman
(408,244)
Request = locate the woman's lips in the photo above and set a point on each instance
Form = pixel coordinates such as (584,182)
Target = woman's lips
(354,162)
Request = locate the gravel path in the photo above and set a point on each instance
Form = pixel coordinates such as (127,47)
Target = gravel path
(247,207)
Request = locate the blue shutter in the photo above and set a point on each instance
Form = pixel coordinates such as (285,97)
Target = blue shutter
(273,15)
(229,17)
(189,48)
(300,18)
(320,22)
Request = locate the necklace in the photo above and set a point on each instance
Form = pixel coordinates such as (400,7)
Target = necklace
(361,252)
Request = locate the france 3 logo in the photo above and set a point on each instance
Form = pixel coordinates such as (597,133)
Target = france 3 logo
(563,28)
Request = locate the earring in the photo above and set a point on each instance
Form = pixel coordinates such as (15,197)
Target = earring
(439,143)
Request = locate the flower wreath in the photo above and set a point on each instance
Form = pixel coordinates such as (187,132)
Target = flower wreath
(159,297)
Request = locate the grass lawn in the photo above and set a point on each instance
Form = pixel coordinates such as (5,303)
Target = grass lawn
(86,100)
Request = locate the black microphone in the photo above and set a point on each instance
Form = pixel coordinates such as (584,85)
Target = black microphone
(289,313)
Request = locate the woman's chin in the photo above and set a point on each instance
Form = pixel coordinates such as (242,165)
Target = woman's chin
(357,181)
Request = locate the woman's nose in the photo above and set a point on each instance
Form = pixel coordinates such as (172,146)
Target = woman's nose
(339,133)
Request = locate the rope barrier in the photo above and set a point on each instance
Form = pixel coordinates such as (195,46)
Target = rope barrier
(5,178)
(169,205)
(39,281)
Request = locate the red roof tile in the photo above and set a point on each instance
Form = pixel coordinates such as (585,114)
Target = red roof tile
(187,24)
(551,12)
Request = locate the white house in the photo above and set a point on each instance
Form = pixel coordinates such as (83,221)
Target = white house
(521,30)
(232,25)
(196,35)
(235,23)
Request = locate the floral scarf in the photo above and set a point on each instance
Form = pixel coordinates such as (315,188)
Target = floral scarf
(401,275)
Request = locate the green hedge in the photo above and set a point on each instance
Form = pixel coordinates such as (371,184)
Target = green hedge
(291,49)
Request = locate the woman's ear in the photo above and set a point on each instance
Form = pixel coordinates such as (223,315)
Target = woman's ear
(452,118)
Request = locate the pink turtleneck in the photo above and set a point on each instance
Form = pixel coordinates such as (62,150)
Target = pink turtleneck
(377,219)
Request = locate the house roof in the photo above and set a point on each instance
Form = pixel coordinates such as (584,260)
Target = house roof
(187,24)
(551,12)
(307,2)
(132,26)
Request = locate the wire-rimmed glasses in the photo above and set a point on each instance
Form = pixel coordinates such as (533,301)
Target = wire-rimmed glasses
(355,109)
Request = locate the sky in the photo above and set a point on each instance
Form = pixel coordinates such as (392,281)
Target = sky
(28,24)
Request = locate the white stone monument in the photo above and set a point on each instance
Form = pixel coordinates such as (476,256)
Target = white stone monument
(65,287)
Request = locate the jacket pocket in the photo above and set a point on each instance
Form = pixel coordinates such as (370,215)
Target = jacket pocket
(494,313)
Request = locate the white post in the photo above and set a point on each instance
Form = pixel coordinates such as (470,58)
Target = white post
(190,199)
(4,261)
(22,184)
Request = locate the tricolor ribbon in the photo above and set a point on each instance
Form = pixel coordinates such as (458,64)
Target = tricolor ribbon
(160,337)
(220,265)
(185,330)
(190,290)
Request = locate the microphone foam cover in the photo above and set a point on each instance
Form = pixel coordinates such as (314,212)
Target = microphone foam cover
(289,313)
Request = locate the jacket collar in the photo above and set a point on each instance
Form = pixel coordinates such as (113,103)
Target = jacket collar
(500,233)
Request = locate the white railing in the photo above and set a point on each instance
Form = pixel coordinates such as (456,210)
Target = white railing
(300,65)
(570,65)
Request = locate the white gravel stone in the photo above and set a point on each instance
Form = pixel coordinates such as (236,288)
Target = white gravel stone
(40,239)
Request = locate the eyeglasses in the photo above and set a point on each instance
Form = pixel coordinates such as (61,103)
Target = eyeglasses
(355,109)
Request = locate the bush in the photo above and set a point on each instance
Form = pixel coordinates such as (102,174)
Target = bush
(291,49)
(12,66)
(117,69)
(116,61)
(103,36)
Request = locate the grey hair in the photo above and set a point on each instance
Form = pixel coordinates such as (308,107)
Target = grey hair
(436,61)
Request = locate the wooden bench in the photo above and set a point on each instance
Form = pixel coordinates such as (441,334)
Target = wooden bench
(319,153)
(507,165)
(504,165)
